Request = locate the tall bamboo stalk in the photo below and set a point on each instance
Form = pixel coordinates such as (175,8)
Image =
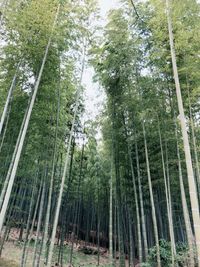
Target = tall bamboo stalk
(66,166)
(168,200)
(186,215)
(188,158)
(137,207)
(111,215)
(144,231)
(155,227)
(49,204)
(21,143)
(9,96)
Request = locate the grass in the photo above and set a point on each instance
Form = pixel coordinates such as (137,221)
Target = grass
(12,256)
(7,263)
(80,259)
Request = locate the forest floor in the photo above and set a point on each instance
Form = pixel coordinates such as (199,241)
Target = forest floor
(12,254)
(7,263)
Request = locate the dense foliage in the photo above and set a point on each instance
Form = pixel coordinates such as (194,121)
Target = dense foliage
(129,191)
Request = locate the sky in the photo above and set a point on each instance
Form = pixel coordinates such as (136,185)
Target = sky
(94,96)
(105,5)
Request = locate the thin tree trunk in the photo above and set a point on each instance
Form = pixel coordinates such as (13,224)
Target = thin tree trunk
(194,141)
(77,205)
(186,216)
(137,208)
(44,248)
(131,258)
(190,173)
(120,239)
(169,196)
(5,185)
(5,111)
(5,129)
(152,200)
(28,225)
(39,222)
(98,232)
(66,168)
(8,225)
(120,227)
(169,214)
(26,248)
(115,232)
(111,216)
(144,231)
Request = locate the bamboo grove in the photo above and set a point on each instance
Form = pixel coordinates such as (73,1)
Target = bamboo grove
(131,197)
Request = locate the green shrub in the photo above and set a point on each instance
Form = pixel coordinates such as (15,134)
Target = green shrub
(181,258)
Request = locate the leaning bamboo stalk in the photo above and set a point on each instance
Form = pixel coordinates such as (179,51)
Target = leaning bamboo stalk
(5,129)
(18,154)
(186,215)
(188,158)
(9,96)
(5,185)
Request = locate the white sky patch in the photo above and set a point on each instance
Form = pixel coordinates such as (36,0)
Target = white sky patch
(106,5)
(94,97)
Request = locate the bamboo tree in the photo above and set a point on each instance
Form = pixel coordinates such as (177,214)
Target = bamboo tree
(98,223)
(29,220)
(194,140)
(39,222)
(144,232)
(170,197)
(152,200)
(137,207)
(131,261)
(27,242)
(111,216)
(66,166)
(44,248)
(168,200)
(5,129)
(186,215)
(5,110)
(191,180)
(76,215)
(18,154)
(5,185)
